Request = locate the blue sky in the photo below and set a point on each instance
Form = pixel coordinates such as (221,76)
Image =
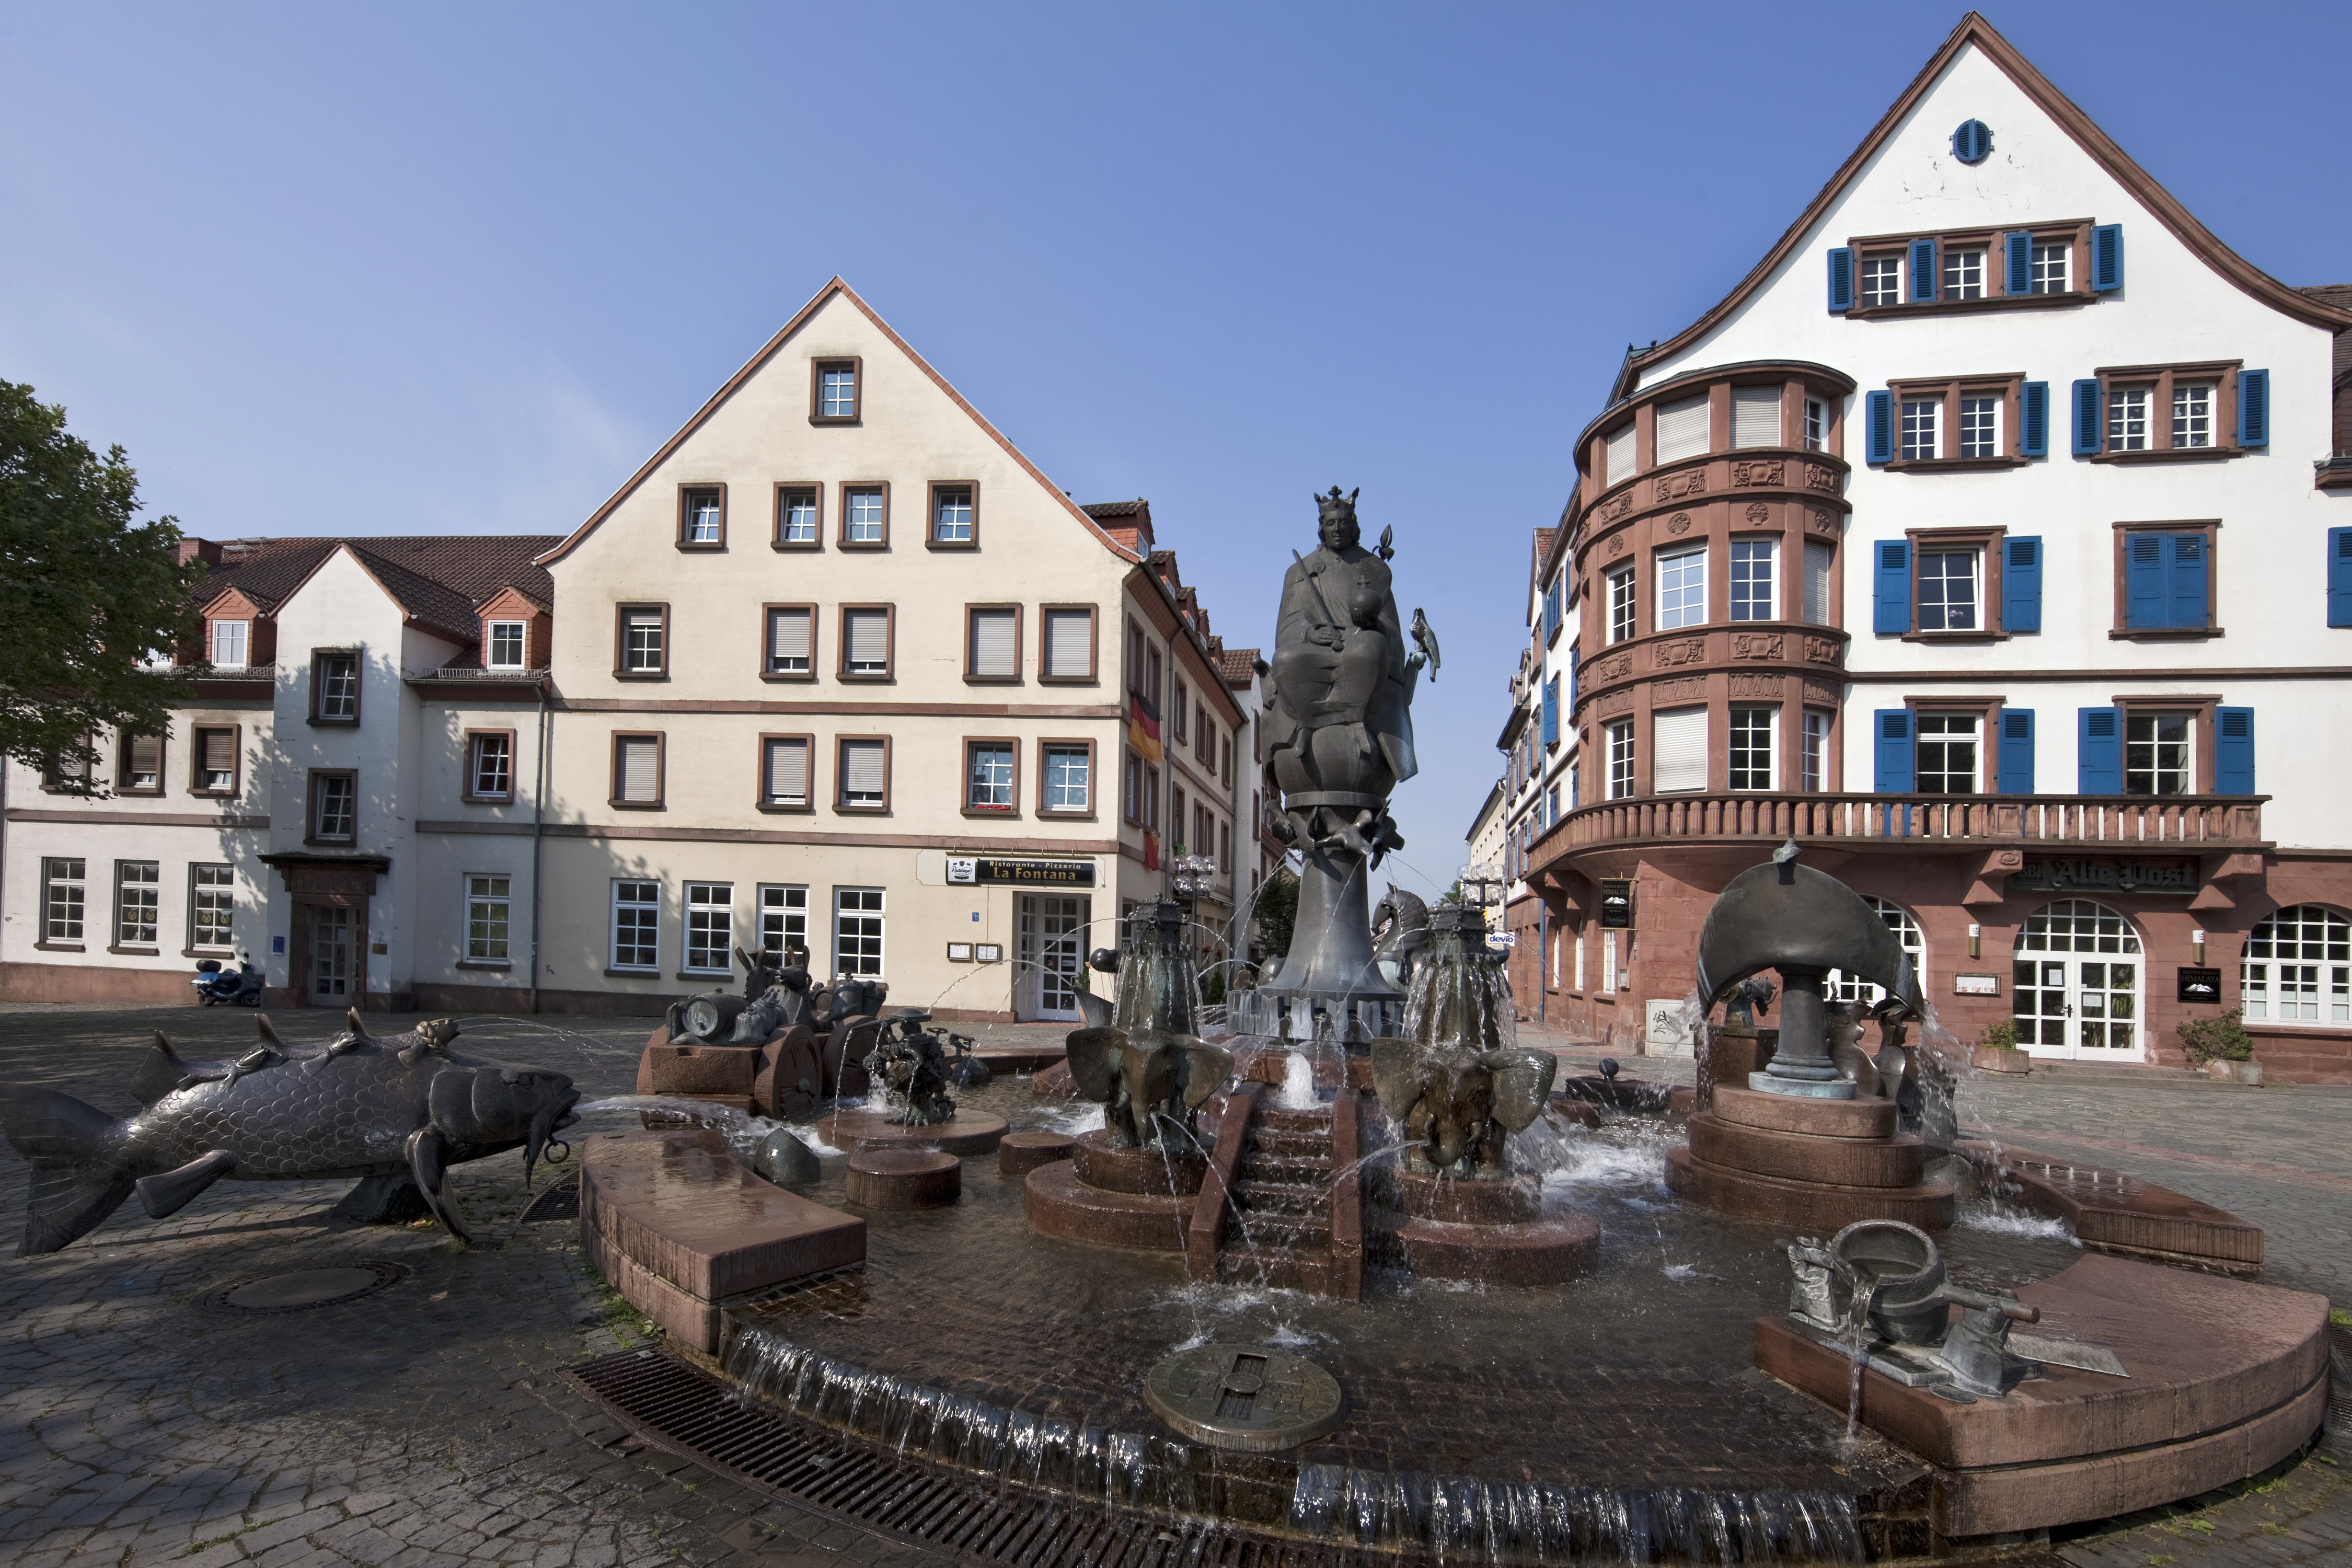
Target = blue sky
(436,268)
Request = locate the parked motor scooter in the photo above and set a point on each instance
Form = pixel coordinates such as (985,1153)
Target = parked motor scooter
(215,985)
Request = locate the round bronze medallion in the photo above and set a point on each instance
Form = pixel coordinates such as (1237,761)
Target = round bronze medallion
(1251,1397)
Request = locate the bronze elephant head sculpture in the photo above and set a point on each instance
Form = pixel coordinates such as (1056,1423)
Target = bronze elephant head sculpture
(1147,1080)
(1457,1105)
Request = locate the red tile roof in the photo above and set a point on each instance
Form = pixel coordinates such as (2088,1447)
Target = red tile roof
(439,579)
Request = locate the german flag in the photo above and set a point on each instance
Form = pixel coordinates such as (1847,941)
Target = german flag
(1142,729)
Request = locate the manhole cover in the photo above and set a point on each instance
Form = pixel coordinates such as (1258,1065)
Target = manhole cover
(1252,1397)
(559,1201)
(302,1290)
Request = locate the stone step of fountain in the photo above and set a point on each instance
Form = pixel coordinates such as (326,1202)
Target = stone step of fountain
(1280,1198)
(1294,1173)
(1298,1146)
(1314,1122)
(1273,1233)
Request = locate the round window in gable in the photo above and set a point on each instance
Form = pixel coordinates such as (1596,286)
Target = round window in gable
(1972,141)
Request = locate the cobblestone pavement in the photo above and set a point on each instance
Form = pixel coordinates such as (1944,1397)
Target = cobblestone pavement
(429,1425)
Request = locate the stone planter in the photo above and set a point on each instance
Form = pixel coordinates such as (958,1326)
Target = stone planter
(1984,1059)
(2221,1071)
(2249,1073)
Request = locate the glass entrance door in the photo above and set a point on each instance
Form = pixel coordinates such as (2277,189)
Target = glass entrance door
(1053,948)
(2076,979)
(330,957)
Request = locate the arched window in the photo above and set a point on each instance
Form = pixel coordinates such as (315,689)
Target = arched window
(1844,987)
(2297,967)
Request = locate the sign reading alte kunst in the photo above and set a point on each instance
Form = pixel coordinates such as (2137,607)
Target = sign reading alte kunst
(976,868)
(2093,874)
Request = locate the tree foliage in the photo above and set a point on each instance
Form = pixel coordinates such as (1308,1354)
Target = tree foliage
(87,596)
(1277,911)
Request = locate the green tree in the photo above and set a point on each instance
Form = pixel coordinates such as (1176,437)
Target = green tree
(1452,895)
(87,596)
(1277,911)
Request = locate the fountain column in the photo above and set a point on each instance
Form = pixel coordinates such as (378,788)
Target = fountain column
(1802,1064)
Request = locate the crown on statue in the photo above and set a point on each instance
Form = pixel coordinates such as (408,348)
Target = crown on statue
(1336,505)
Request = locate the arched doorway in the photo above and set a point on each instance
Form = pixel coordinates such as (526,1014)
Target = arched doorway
(2076,987)
(1844,987)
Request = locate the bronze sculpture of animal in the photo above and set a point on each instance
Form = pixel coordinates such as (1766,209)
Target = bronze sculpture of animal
(1149,1082)
(911,1067)
(1400,930)
(360,1105)
(1457,1104)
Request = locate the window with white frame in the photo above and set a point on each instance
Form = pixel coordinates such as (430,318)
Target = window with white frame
(1622,607)
(1754,746)
(1951,593)
(951,514)
(710,927)
(1946,754)
(994,650)
(988,781)
(229,644)
(2192,413)
(865,642)
(2128,418)
(637,769)
(335,681)
(641,642)
(837,390)
(792,640)
(1682,589)
(490,768)
(1681,430)
(703,524)
(490,910)
(2159,753)
(334,802)
(1819,561)
(636,924)
(864,521)
(212,906)
(2050,267)
(1964,273)
(1979,426)
(138,901)
(1817,424)
(138,763)
(1922,429)
(1882,280)
(1067,786)
(1617,454)
(796,515)
(216,759)
(1678,751)
(1067,646)
(1608,961)
(857,932)
(507,644)
(1755,579)
(784,771)
(1817,751)
(1620,737)
(63,894)
(784,921)
(864,774)
(1579,959)
(2297,967)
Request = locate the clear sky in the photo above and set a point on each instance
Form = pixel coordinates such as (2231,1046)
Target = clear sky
(440,268)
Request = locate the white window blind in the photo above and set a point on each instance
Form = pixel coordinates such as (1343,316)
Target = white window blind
(1619,447)
(991,643)
(1678,758)
(1819,558)
(861,773)
(788,772)
(788,642)
(1681,430)
(1755,415)
(639,768)
(1069,642)
(869,633)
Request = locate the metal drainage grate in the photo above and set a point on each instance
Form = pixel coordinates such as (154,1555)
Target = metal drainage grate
(302,1290)
(560,1199)
(690,1412)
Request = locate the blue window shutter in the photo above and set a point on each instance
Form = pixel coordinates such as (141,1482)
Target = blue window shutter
(2339,576)
(2019,249)
(1842,277)
(2253,408)
(2033,419)
(2107,257)
(1891,612)
(1878,420)
(2185,580)
(2016,751)
(2089,404)
(1551,711)
(1551,610)
(2099,752)
(2145,599)
(2233,751)
(1571,677)
(1891,772)
(1923,270)
(2020,583)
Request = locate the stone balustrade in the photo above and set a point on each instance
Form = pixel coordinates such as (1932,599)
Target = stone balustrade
(2179,823)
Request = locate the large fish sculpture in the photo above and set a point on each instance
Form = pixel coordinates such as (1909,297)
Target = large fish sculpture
(389,1108)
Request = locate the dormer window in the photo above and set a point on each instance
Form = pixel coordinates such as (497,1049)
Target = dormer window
(229,644)
(506,645)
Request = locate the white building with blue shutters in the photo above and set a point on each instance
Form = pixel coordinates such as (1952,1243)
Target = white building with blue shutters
(1991,538)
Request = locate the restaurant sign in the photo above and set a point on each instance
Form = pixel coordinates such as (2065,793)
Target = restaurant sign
(980,868)
(2097,874)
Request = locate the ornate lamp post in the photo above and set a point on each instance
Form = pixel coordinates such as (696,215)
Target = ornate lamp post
(1190,876)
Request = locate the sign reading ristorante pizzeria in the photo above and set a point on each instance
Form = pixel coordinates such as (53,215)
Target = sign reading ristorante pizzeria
(1027,873)
(2068,874)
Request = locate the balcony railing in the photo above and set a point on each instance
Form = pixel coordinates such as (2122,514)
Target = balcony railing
(2174,821)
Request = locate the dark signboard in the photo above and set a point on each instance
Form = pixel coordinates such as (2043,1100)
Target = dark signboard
(974,869)
(2095,874)
(1617,904)
(2199,986)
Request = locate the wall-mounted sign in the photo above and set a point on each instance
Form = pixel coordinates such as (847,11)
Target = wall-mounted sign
(2077,873)
(1503,939)
(1975,985)
(959,952)
(2199,985)
(1617,904)
(980,868)
(988,952)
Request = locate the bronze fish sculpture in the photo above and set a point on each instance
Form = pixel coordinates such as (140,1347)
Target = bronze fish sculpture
(361,1105)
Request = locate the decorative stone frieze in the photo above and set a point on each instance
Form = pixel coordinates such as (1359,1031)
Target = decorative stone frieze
(1758,645)
(1685,689)
(1683,650)
(1772,471)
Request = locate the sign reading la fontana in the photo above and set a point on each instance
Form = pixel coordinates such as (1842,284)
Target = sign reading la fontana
(984,869)
(2098,874)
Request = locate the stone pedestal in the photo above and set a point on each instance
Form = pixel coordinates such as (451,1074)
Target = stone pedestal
(1480,1231)
(1140,1198)
(1816,1164)
(1018,1153)
(959,1134)
(904,1179)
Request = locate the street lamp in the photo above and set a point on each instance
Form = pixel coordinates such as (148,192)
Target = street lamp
(1190,876)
